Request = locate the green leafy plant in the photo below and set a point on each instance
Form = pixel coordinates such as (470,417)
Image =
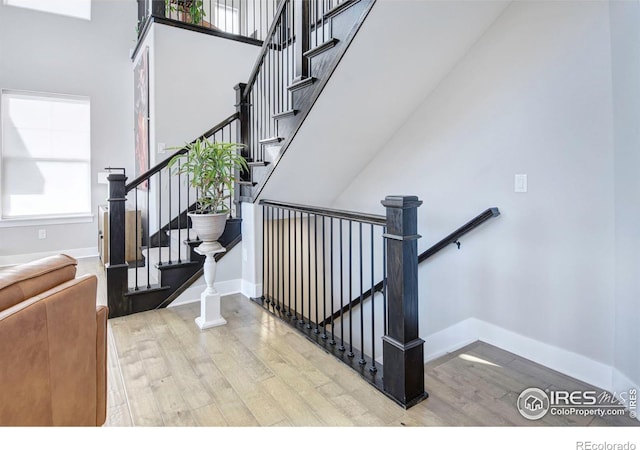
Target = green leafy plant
(195,9)
(212,167)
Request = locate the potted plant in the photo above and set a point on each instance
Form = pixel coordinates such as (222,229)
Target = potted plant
(212,168)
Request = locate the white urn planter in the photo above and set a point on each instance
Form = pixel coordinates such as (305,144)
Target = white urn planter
(209,228)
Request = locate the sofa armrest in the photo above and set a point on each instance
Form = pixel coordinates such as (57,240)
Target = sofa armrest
(102,313)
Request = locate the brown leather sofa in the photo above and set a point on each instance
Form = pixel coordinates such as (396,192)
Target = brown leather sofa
(53,346)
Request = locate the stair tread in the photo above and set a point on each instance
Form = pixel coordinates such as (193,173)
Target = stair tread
(271,140)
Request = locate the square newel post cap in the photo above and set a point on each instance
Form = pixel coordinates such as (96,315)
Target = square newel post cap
(401,201)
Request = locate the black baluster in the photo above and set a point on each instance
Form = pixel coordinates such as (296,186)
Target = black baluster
(333,322)
(295,267)
(281,302)
(384,280)
(373,368)
(277,260)
(324,283)
(290,272)
(136,237)
(179,215)
(315,255)
(148,258)
(170,195)
(264,252)
(159,217)
(350,354)
(362,361)
(341,348)
(309,266)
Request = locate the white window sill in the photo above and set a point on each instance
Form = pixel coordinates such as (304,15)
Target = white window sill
(37,221)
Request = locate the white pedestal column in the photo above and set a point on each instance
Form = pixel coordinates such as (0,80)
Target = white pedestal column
(210,299)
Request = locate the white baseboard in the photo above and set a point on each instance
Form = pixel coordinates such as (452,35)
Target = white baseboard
(450,339)
(192,293)
(250,290)
(561,360)
(77,253)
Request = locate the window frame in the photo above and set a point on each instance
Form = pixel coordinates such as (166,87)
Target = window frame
(43,219)
(46,11)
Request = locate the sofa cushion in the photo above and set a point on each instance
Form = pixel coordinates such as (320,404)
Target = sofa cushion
(26,280)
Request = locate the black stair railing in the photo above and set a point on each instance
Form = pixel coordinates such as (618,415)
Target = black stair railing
(163,199)
(316,259)
(453,238)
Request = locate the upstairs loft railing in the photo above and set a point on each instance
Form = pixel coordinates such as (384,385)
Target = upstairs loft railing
(316,259)
(248,19)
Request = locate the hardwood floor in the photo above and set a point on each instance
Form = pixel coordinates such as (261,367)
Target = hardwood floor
(257,371)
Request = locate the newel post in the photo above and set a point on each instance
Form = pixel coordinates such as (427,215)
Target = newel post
(242,132)
(302,25)
(117,268)
(402,347)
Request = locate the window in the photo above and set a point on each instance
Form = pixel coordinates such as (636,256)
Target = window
(45,164)
(227,19)
(80,9)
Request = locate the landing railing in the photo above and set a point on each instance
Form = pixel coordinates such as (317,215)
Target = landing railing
(241,18)
(316,259)
(452,238)
(164,197)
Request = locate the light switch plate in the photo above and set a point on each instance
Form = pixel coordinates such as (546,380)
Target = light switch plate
(521,182)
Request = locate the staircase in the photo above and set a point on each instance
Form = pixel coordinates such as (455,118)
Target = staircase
(304,44)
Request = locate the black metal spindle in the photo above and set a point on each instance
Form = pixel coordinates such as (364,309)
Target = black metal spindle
(373,368)
(315,256)
(136,236)
(333,322)
(309,269)
(159,217)
(384,281)
(350,354)
(281,303)
(341,348)
(264,252)
(169,214)
(276,278)
(301,319)
(295,266)
(291,272)
(324,283)
(362,361)
(179,216)
(271,253)
(147,259)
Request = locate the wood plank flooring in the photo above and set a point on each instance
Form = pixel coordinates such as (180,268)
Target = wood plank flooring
(257,371)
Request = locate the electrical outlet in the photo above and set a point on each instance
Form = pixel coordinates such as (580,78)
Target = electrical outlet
(42,234)
(162,148)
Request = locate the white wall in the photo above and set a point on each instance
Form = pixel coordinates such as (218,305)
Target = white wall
(51,53)
(532,96)
(625,39)
(193,79)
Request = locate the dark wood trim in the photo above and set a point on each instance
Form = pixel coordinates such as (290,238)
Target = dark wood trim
(322,48)
(286,114)
(301,83)
(329,212)
(191,27)
(338,9)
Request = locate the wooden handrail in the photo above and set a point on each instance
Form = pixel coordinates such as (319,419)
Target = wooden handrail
(374,219)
